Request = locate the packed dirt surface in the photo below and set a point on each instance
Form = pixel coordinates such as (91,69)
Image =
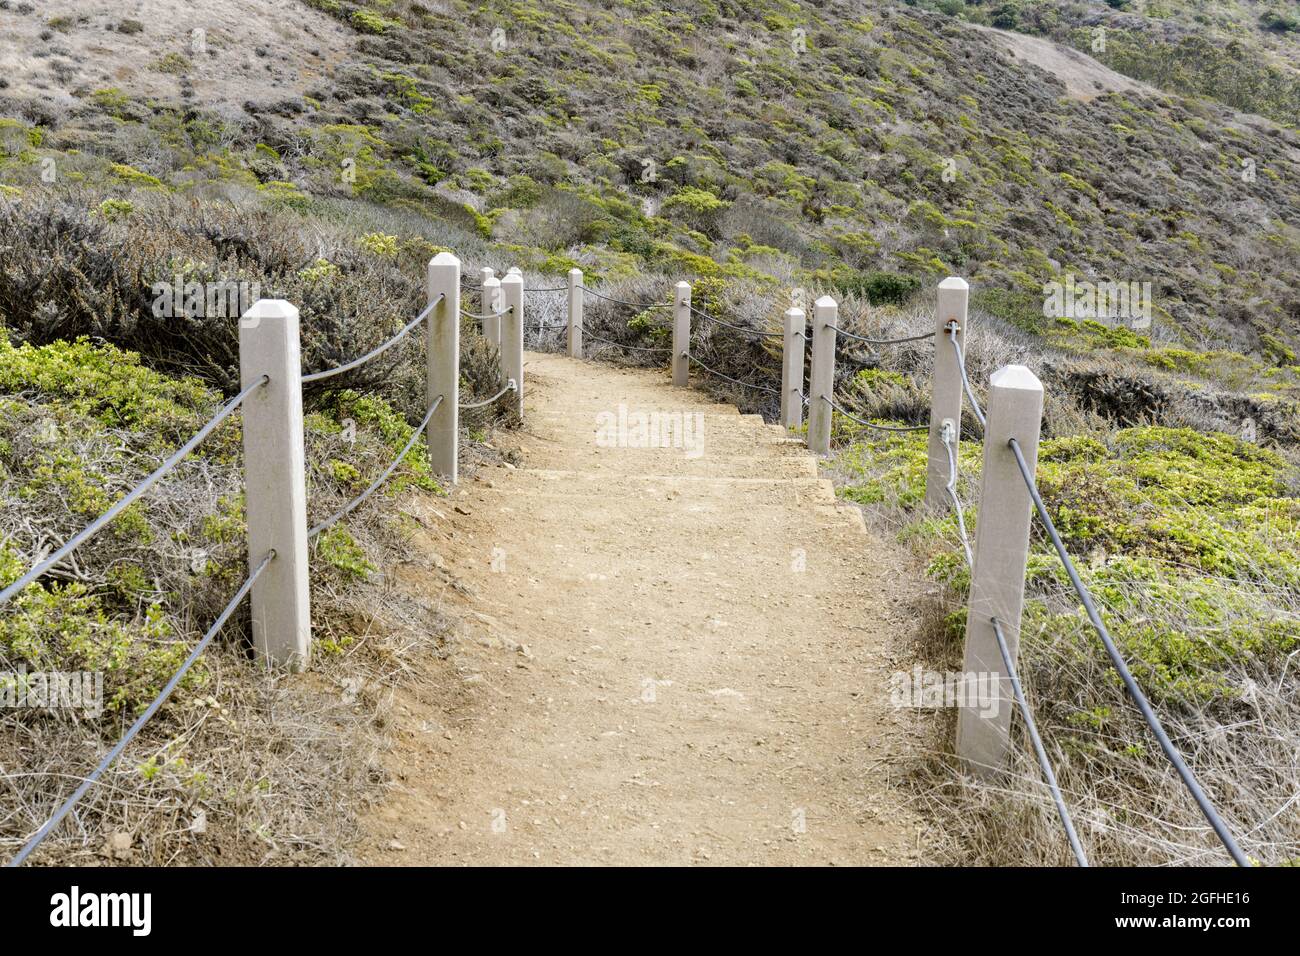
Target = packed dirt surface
(1084,77)
(670,655)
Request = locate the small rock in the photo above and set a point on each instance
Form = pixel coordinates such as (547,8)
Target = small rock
(117,846)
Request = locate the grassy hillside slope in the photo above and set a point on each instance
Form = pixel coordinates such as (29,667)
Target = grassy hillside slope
(765,151)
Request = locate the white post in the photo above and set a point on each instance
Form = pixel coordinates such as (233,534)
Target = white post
(822,377)
(1015,408)
(792,354)
(512,336)
(487,272)
(443,364)
(275,482)
(489,304)
(681,365)
(575,313)
(946,399)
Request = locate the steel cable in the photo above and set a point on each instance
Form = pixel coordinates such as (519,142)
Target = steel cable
(510,387)
(351,505)
(951,488)
(965,382)
(1117,659)
(140,721)
(636,305)
(92,529)
(635,348)
(738,328)
(871,341)
(487,315)
(1079,856)
(374,353)
(734,381)
(883,428)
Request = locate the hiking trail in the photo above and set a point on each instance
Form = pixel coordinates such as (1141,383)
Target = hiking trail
(664,657)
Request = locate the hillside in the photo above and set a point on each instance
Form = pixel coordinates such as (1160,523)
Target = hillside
(765,151)
(1243,53)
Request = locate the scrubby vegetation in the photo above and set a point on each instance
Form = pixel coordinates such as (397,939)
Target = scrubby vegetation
(80,424)
(1188,539)
(1243,54)
(768,152)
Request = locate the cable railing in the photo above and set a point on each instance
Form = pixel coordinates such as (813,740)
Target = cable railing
(965,379)
(98,525)
(1044,764)
(870,341)
(862,421)
(952,332)
(383,477)
(635,348)
(93,777)
(443,382)
(81,537)
(487,315)
(950,487)
(756,333)
(1171,752)
(508,387)
(948,436)
(375,352)
(727,378)
(284,321)
(641,306)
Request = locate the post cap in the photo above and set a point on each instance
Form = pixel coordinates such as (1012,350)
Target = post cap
(795,312)
(514,271)
(826,302)
(954,282)
(514,278)
(1016,377)
(268,309)
(683,285)
(575,272)
(491,280)
(444,259)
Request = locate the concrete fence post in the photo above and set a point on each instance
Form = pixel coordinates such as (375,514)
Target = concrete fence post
(490,303)
(681,365)
(792,358)
(275,482)
(822,377)
(575,313)
(1015,408)
(946,393)
(442,352)
(512,336)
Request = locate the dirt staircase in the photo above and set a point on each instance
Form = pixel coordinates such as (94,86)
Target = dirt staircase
(669,655)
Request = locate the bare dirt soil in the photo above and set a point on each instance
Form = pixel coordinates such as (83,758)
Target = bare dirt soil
(248,50)
(665,659)
(1084,77)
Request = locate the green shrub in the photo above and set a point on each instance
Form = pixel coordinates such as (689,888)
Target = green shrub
(881,288)
(116,209)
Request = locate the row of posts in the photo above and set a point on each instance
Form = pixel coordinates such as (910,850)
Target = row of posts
(276,471)
(1001,550)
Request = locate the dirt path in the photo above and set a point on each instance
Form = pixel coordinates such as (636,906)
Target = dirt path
(666,659)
